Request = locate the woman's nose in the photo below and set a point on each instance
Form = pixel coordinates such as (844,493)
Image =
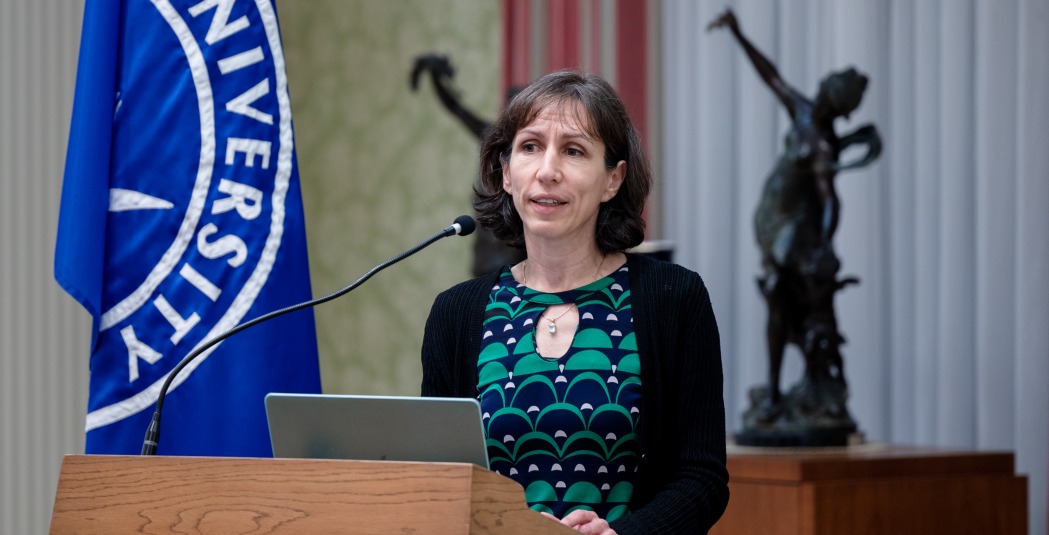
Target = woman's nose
(549,167)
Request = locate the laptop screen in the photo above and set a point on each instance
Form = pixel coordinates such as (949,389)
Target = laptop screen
(373,428)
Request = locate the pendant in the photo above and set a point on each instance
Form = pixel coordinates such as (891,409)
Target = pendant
(552,328)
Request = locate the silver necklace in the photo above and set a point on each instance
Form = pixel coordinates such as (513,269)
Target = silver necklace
(552,327)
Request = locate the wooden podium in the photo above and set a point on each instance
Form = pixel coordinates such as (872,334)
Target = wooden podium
(872,489)
(209,495)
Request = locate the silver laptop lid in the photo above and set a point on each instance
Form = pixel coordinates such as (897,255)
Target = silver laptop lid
(366,428)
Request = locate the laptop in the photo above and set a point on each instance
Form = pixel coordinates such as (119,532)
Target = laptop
(376,428)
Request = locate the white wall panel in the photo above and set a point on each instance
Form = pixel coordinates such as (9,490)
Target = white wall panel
(956,421)
(43,333)
(1031,263)
(927,182)
(902,395)
(996,110)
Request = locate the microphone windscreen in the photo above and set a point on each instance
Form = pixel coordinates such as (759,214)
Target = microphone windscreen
(466,224)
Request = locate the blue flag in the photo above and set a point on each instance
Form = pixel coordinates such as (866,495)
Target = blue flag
(181,218)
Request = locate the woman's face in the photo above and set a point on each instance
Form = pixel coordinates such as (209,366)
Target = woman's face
(557,176)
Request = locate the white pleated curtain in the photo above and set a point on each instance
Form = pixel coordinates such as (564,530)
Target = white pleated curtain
(948,231)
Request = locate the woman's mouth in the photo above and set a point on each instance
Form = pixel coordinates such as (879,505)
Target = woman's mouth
(548,202)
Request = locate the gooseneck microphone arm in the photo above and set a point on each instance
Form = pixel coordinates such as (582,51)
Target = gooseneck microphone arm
(463,225)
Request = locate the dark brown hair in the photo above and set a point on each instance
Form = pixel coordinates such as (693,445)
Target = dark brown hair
(619,222)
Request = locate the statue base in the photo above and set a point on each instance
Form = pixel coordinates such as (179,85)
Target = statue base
(809,438)
(811,414)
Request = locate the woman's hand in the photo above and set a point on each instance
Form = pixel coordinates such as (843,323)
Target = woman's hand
(585,521)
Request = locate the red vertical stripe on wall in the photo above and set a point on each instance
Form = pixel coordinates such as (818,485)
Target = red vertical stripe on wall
(595,36)
(562,38)
(516,42)
(632,64)
(632,60)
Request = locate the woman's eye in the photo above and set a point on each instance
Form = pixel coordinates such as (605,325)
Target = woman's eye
(529,147)
(573,151)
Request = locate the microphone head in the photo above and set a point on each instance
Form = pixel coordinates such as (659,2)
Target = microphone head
(464,225)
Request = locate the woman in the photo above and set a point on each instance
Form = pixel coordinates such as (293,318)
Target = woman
(598,372)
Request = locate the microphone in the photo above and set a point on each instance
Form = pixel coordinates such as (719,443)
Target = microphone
(463,225)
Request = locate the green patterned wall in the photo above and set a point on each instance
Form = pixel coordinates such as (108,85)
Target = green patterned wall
(382,168)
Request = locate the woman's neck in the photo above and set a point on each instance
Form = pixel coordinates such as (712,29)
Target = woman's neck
(553,273)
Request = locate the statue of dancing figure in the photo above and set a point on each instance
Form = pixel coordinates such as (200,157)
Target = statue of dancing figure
(795,222)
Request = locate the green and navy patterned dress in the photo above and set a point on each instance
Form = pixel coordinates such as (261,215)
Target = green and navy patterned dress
(566,429)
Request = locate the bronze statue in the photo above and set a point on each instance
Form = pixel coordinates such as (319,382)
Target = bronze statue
(489,253)
(795,223)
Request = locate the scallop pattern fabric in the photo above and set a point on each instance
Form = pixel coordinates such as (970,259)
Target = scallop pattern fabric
(566,429)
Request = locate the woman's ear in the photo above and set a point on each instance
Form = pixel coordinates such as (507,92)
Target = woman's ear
(615,181)
(506,178)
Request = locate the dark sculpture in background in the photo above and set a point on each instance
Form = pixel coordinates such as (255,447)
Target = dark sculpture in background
(490,254)
(795,223)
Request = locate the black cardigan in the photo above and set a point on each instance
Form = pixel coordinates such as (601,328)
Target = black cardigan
(683,482)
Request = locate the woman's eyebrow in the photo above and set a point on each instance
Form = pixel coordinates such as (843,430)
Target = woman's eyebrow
(535,132)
